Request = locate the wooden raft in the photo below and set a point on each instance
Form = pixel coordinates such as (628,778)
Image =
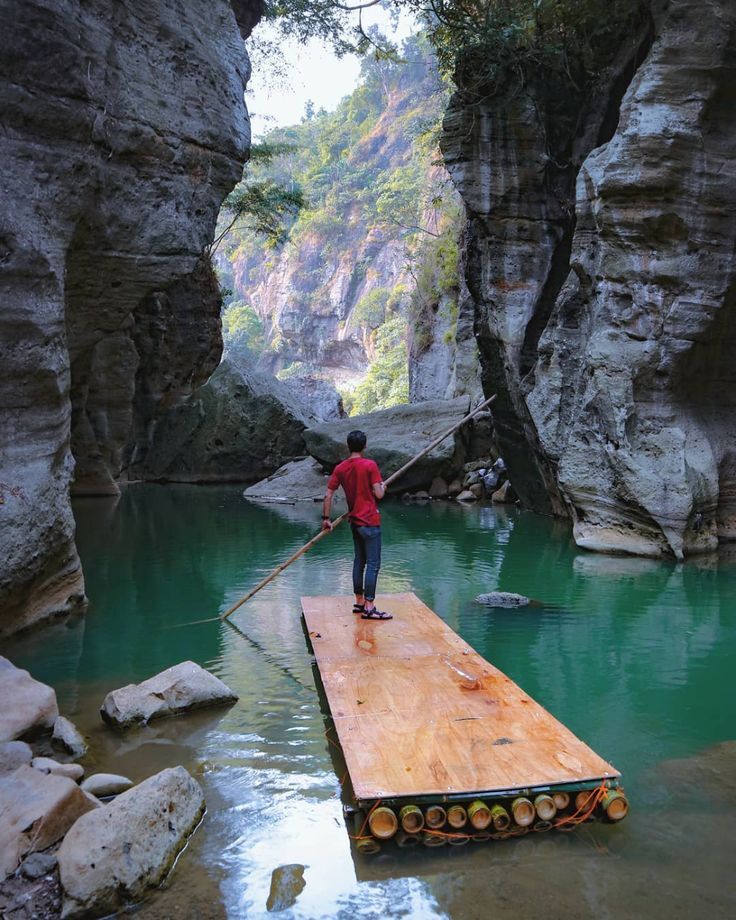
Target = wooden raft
(420,715)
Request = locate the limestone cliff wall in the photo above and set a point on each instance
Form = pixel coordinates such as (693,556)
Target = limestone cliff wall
(124,127)
(603,271)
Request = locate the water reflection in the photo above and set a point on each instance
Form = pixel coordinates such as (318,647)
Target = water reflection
(633,655)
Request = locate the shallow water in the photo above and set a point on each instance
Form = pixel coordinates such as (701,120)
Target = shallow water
(635,656)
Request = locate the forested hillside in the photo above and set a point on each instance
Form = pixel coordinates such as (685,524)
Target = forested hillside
(367,271)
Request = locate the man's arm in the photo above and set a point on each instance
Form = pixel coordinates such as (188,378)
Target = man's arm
(379,490)
(326,505)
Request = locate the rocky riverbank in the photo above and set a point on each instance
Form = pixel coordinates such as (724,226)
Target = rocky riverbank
(78,847)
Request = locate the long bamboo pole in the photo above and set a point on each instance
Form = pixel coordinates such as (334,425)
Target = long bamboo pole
(323,533)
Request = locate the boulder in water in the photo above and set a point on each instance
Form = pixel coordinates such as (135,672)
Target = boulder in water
(178,689)
(239,427)
(287,883)
(67,736)
(504,495)
(299,481)
(112,854)
(467,496)
(28,705)
(395,436)
(503,599)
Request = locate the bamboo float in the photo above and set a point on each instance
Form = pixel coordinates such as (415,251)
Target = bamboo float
(523,811)
(411,825)
(383,822)
(615,805)
(435,816)
(545,807)
(500,817)
(365,844)
(411,818)
(457,817)
(479,815)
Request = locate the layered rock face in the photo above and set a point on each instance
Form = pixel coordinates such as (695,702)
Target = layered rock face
(606,309)
(123,130)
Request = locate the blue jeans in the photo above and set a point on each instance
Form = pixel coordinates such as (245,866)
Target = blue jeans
(367,541)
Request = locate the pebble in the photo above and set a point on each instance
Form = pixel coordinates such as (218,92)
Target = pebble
(37,864)
(104,784)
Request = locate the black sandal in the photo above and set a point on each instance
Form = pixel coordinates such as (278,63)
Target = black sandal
(358,608)
(376,614)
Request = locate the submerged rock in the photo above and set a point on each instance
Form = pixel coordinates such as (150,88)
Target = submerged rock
(395,436)
(503,599)
(287,883)
(104,784)
(114,853)
(178,689)
(67,736)
(28,705)
(36,810)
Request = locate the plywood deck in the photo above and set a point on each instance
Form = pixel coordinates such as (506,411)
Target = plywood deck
(407,721)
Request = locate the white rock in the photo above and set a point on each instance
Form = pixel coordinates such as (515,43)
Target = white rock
(14,754)
(466,496)
(36,810)
(49,765)
(101,784)
(112,854)
(68,737)
(178,689)
(27,704)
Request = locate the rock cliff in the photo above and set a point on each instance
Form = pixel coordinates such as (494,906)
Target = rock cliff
(601,262)
(124,128)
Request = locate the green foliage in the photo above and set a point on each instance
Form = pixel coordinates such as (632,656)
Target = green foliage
(370,311)
(241,327)
(569,41)
(436,275)
(387,381)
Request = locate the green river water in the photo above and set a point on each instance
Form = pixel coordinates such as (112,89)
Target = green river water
(635,656)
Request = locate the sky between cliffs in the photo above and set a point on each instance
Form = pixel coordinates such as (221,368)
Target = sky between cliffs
(313,73)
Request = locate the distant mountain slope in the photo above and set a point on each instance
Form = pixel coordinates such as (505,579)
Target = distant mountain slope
(373,258)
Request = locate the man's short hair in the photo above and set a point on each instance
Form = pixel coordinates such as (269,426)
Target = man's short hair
(357,441)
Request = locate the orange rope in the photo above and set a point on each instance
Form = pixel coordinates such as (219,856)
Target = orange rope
(361,835)
(585,811)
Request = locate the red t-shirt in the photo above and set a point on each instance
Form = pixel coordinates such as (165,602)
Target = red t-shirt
(357,475)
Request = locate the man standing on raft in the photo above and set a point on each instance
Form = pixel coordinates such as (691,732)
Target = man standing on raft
(363,486)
